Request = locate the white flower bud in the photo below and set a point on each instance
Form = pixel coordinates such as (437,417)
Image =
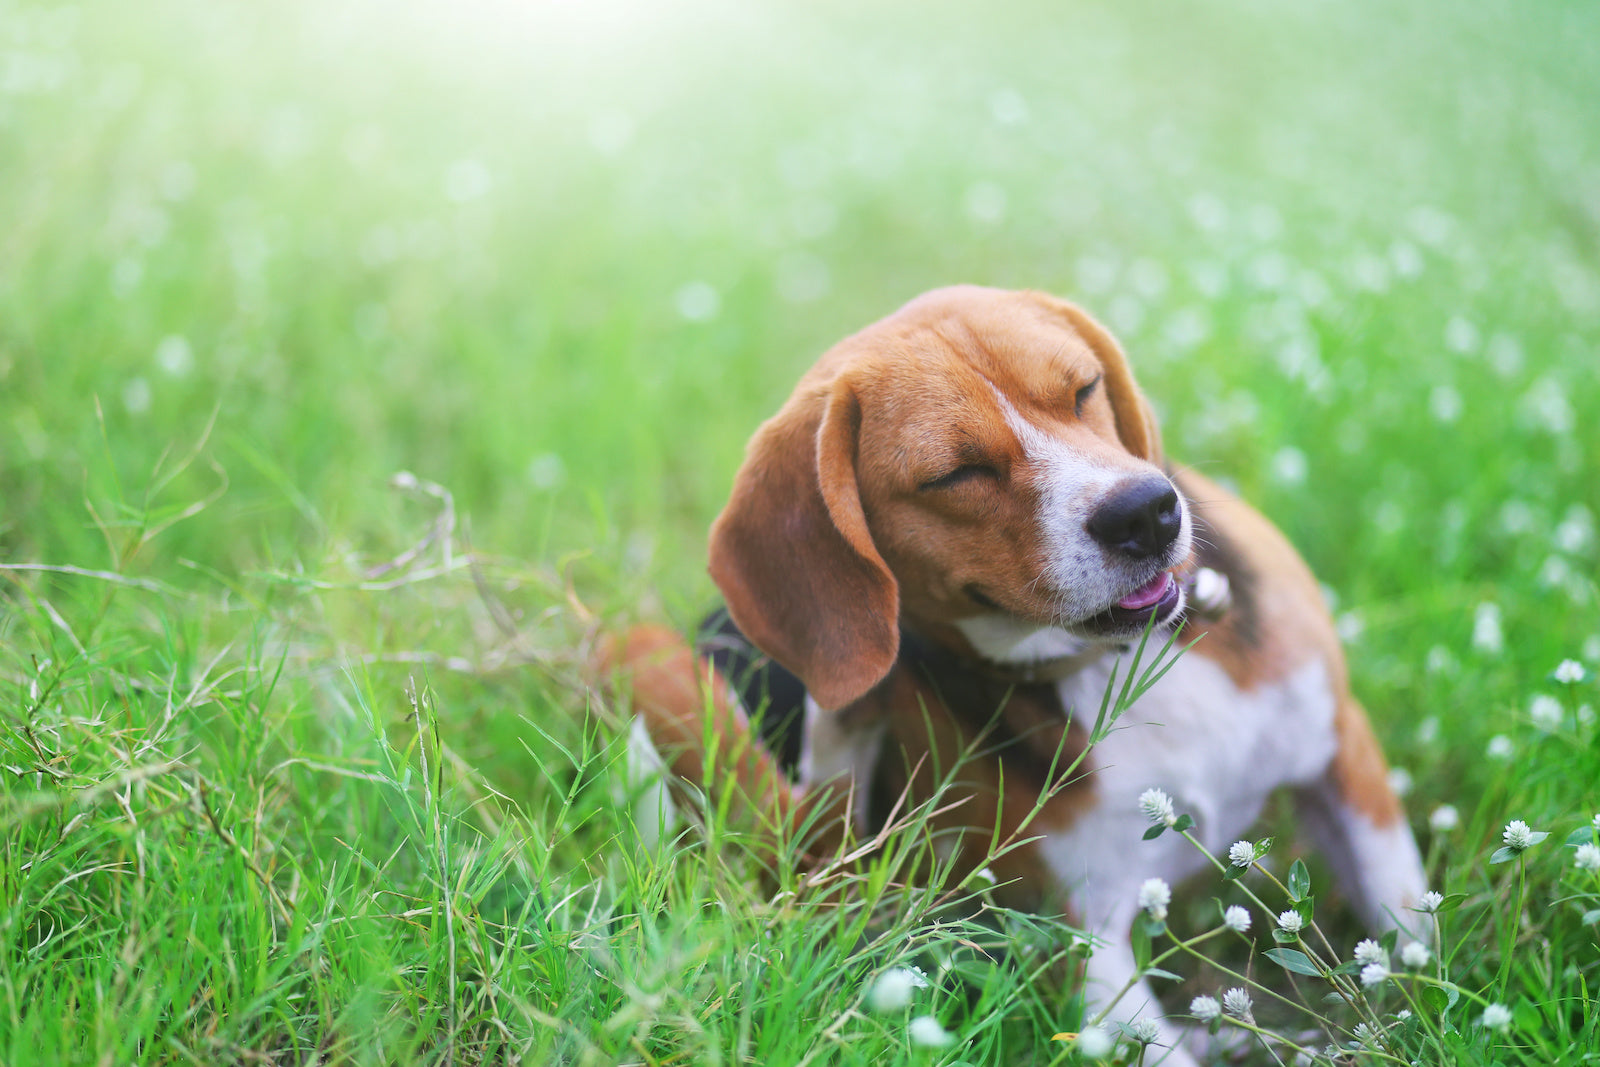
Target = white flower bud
(1496,1017)
(1144,1031)
(1094,1043)
(893,989)
(1518,835)
(1157,807)
(1415,955)
(1154,896)
(926,1031)
(1236,1002)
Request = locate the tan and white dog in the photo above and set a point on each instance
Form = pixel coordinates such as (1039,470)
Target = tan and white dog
(953,526)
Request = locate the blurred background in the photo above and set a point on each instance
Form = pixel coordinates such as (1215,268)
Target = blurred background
(563,257)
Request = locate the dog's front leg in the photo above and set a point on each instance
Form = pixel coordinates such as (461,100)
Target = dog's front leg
(1112,972)
(839,752)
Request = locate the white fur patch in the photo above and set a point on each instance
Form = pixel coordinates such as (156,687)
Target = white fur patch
(836,751)
(1378,867)
(1218,750)
(1084,577)
(1001,638)
(654,814)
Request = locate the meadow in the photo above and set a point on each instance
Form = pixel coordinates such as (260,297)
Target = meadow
(359,361)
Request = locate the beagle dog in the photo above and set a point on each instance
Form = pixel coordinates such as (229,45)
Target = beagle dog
(949,533)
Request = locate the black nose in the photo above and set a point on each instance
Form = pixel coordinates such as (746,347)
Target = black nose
(1139,519)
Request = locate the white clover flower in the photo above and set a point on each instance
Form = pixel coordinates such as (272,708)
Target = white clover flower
(1236,1002)
(1157,807)
(1402,1015)
(1587,857)
(1496,1017)
(1570,672)
(1144,1031)
(1546,713)
(1430,901)
(1369,951)
(1363,1035)
(892,991)
(1154,896)
(1243,853)
(1205,1008)
(1290,922)
(1444,819)
(1374,974)
(1236,917)
(1517,835)
(1596,822)
(1487,636)
(1400,781)
(1499,747)
(1415,955)
(1094,1043)
(925,1030)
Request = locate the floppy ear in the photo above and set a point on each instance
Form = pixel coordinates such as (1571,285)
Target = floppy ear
(1136,422)
(792,554)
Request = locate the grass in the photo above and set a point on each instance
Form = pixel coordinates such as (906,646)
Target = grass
(295,762)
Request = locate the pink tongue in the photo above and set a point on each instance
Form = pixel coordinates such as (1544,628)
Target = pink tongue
(1147,594)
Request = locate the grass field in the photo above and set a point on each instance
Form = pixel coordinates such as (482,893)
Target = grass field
(294,760)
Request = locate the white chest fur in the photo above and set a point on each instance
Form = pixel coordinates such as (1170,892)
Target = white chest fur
(1218,750)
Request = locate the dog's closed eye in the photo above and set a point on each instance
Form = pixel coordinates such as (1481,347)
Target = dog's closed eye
(959,476)
(1081,397)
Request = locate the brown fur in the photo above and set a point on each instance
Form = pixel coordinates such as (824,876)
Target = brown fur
(826,542)
(829,547)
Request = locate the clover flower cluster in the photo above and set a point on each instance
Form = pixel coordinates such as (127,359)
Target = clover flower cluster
(1372,968)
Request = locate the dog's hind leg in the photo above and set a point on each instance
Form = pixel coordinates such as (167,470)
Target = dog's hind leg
(1356,821)
(692,719)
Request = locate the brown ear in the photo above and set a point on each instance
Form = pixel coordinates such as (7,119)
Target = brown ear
(1136,422)
(792,554)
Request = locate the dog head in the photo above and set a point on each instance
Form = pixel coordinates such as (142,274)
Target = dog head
(980,464)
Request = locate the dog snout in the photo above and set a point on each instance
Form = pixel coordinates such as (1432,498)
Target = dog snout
(1139,520)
